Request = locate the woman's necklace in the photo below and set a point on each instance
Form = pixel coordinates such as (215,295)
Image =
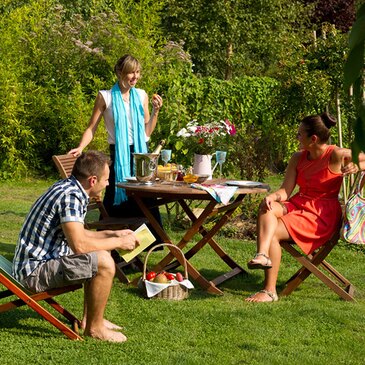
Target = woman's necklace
(126,97)
(125,93)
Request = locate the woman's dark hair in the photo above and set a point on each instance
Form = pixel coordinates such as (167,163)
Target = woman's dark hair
(90,163)
(319,125)
(125,65)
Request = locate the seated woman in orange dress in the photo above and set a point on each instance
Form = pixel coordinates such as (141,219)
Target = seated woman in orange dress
(313,214)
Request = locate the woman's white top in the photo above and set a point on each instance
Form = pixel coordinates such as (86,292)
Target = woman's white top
(109,119)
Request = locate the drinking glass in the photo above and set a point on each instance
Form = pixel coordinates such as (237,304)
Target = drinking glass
(165,156)
(220,158)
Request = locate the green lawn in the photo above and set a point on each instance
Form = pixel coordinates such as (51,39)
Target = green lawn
(312,326)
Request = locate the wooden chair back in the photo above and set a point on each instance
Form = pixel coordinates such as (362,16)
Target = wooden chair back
(64,164)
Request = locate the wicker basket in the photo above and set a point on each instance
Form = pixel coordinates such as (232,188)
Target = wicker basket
(172,292)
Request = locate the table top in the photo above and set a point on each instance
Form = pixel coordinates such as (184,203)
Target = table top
(181,189)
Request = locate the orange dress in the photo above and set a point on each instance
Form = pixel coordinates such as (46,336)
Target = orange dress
(314,213)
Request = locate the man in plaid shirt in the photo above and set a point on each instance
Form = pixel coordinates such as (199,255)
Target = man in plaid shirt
(54,249)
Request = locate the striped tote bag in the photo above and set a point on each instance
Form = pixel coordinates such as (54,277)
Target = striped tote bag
(353,229)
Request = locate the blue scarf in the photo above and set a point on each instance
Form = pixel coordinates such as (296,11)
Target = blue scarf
(122,153)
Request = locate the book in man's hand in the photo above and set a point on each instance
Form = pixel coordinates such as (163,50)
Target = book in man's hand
(145,238)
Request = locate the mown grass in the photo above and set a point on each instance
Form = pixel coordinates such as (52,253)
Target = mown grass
(312,326)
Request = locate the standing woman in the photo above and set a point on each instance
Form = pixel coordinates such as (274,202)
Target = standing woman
(129,125)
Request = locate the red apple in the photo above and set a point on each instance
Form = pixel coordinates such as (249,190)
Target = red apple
(150,275)
(169,276)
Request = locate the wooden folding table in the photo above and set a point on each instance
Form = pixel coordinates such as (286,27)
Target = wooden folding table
(167,192)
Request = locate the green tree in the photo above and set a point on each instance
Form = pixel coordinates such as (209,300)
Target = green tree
(235,37)
(354,75)
(340,13)
(54,60)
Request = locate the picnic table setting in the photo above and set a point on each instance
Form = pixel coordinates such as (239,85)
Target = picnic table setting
(168,182)
(157,177)
(182,182)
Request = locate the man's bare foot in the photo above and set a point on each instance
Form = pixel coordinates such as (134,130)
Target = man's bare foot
(112,326)
(107,324)
(106,334)
(263,296)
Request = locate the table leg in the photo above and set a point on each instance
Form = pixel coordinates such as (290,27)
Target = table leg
(208,238)
(194,273)
(154,223)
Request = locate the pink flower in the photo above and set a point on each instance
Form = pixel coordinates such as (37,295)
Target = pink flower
(205,138)
(231,129)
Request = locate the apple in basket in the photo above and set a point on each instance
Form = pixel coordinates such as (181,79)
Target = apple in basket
(179,277)
(169,276)
(161,278)
(150,275)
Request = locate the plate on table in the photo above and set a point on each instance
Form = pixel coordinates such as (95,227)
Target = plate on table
(131,179)
(244,183)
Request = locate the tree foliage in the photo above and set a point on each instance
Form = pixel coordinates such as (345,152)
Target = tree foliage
(55,60)
(56,54)
(247,37)
(340,13)
(354,75)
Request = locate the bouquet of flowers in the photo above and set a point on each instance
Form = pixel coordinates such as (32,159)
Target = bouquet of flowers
(205,139)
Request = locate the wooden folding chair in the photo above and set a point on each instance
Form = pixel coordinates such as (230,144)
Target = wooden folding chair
(64,164)
(312,264)
(14,288)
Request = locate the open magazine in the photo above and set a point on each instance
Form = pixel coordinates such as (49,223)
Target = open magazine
(145,238)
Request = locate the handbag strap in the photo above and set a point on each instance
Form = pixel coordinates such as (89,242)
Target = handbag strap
(358,183)
(361,182)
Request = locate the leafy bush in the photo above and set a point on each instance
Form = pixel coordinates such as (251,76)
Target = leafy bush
(54,58)
(248,102)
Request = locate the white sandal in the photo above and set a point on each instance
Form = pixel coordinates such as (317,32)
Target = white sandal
(273,296)
(259,265)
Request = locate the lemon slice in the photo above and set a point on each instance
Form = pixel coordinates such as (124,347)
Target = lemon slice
(190,178)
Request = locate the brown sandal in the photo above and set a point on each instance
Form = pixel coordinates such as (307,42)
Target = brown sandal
(259,265)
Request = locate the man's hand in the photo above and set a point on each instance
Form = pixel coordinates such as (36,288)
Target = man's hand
(122,232)
(127,240)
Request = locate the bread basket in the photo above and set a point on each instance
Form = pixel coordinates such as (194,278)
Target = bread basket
(174,291)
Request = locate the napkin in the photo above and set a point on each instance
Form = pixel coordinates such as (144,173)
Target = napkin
(154,288)
(222,194)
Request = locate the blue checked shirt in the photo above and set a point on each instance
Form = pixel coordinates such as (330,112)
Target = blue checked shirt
(41,237)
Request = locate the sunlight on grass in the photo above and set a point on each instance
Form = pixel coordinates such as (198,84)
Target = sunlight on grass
(311,326)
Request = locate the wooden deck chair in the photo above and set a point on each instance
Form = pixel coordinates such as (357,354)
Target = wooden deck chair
(25,297)
(317,265)
(64,164)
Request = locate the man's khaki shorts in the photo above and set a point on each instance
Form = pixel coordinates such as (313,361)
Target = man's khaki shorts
(67,270)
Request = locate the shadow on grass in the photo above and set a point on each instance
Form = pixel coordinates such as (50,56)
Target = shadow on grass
(7,250)
(242,283)
(18,321)
(8,213)
(194,294)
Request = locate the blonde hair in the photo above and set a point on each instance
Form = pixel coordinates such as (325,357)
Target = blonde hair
(125,65)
